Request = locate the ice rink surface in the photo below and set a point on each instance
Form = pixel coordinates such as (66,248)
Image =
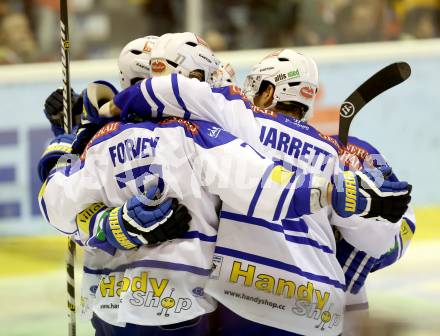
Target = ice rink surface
(33,295)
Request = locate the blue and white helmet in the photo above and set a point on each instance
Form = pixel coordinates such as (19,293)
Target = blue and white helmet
(134,60)
(294,76)
(186,54)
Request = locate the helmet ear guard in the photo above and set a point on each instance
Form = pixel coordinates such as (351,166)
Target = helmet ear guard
(294,76)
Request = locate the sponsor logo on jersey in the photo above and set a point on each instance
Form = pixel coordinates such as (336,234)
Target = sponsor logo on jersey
(307,92)
(158,66)
(235,90)
(191,127)
(307,300)
(280,77)
(145,292)
(198,291)
(281,175)
(214,132)
(84,217)
(107,129)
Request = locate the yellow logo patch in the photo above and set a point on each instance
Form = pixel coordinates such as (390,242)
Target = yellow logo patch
(281,175)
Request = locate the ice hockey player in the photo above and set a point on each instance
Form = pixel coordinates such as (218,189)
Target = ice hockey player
(272,86)
(299,146)
(149,224)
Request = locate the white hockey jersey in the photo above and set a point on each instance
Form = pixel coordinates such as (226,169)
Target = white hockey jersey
(200,165)
(280,274)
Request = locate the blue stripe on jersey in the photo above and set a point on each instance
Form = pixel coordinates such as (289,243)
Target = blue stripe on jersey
(179,99)
(295,225)
(309,242)
(67,170)
(286,224)
(258,191)
(151,263)
(278,264)
(367,268)
(160,105)
(298,226)
(359,281)
(282,199)
(200,236)
(204,136)
(343,251)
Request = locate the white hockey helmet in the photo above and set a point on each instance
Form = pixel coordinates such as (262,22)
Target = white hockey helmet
(294,76)
(225,76)
(186,54)
(134,60)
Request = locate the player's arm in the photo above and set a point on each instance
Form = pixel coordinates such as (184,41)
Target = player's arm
(72,185)
(357,264)
(141,220)
(368,156)
(255,186)
(70,200)
(182,97)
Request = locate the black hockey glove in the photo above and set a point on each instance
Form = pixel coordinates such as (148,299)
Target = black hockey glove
(53,109)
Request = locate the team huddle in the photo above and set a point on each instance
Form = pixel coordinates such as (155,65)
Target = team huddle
(208,209)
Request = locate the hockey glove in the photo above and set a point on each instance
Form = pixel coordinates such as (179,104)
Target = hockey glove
(96,94)
(136,223)
(368,195)
(53,109)
(61,145)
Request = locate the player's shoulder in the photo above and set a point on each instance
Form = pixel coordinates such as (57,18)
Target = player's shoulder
(355,145)
(298,127)
(204,133)
(230,92)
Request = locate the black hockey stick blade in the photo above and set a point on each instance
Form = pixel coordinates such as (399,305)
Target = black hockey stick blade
(381,81)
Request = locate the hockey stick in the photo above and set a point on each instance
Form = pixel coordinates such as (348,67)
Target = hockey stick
(381,81)
(67,123)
